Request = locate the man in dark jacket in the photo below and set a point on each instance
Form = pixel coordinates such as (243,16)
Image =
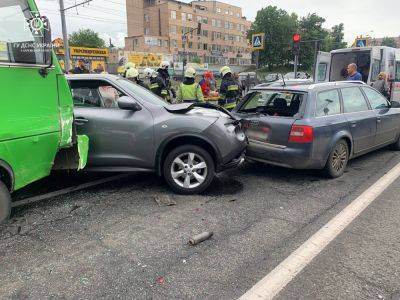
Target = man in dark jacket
(166,78)
(157,85)
(80,68)
(229,91)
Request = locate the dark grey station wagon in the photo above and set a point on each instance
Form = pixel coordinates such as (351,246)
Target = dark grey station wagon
(317,126)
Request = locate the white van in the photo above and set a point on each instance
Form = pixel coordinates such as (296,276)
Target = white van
(370,61)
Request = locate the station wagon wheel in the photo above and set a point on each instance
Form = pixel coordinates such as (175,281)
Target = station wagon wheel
(337,160)
(188,169)
(5,203)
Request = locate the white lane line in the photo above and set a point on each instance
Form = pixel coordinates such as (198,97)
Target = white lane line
(278,278)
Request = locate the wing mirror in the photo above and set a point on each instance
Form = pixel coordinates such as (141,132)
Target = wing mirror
(394,104)
(128,103)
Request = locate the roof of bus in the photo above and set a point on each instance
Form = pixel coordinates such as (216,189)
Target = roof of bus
(355,49)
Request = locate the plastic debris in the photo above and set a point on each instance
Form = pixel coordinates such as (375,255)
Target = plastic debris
(197,239)
(164,200)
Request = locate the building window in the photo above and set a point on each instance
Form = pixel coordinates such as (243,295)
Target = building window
(227,12)
(184,17)
(198,18)
(238,27)
(146,31)
(199,46)
(189,17)
(231,26)
(173,29)
(226,25)
(174,43)
(204,20)
(146,18)
(218,10)
(173,14)
(205,47)
(213,23)
(205,33)
(190,45)
(238,15)
(219,23)
(231,13)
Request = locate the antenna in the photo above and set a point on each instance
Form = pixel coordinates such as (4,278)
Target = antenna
(283,79)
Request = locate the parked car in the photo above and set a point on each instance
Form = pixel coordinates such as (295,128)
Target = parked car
(271,77)
(300,75)
(287,82)
(131,129)
(317,126)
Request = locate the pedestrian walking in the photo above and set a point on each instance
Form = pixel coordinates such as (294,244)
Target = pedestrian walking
(189,90)
(381,85)
(353,74)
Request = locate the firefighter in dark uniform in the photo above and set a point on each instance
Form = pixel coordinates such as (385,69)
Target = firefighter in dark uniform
(229,91)
(157,85)
(168,93)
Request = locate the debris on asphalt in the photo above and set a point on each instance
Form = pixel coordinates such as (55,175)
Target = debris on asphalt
(75,207)
(164,200)
(197,239)
(160,280)
(232,200)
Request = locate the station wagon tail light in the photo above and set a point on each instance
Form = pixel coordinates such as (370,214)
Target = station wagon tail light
(301,134)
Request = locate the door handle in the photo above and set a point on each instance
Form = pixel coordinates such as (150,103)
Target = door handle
(81,121)
(378,119)
(353,124)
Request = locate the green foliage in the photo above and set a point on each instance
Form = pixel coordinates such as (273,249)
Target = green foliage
(196,60)
(279,27)
(86,38)
(389,42)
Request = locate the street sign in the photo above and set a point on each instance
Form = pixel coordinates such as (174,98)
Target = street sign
(361,43)
(257,41)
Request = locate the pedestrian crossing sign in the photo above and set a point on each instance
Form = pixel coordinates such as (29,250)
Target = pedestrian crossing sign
(257,41)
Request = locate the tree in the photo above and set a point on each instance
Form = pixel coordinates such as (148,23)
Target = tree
(86,38)
(278,27)
(389,42)
(336,38)
(311,29)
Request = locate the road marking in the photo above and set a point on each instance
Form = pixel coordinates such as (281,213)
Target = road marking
(68,190)
(287,270)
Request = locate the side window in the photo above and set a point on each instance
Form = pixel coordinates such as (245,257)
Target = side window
(353,100)
(328,103)
(376,100)
(86,97)
(18,44)
(256,99)
(93,93)
(321,71)
(397,77)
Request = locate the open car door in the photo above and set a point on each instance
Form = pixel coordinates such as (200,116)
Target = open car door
(322,67)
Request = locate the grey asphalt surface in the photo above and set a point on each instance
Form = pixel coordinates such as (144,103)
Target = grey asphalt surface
(116,240)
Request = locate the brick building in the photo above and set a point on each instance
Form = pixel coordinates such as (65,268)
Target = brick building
(158,25)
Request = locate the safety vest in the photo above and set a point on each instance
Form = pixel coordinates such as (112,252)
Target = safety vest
(190,93)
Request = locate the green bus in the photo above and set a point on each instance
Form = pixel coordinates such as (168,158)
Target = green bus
(36,108)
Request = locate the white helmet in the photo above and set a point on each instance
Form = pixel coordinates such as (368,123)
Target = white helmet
(164,64)
(154,74)
(190,73)
(132,73)
(129,65)
(148,72)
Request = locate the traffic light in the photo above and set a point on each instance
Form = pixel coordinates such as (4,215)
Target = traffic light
(296,43)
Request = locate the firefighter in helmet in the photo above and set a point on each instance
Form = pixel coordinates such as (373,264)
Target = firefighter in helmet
(229,90)
(133,75)
(189,90)
(157,85)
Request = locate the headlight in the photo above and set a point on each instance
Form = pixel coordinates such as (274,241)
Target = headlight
(208,112)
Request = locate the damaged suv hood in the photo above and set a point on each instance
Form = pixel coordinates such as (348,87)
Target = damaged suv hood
(183,108)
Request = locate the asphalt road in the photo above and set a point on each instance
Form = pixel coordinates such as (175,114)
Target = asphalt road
(120,240)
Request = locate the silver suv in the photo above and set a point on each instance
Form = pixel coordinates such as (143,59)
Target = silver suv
(131,129)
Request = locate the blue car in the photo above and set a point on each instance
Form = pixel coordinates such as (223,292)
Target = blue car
(317,126)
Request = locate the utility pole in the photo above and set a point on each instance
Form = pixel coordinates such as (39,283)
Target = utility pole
(67,62)
(296,49)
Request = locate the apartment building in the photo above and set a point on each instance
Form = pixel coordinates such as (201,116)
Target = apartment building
(159,26)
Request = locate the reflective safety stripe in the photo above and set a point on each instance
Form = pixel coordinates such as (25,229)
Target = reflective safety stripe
(164,92)
(154,86)
(233,88)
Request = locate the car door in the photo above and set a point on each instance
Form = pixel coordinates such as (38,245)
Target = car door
(387,118)
(360,118)
(322,67)
(118,138)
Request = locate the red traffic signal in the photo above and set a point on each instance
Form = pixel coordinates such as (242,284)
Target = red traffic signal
(296,38)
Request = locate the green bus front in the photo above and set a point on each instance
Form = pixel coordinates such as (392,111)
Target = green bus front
(36,108)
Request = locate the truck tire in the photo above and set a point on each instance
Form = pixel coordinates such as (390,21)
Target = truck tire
(337,160)
(5,203)
(188,169)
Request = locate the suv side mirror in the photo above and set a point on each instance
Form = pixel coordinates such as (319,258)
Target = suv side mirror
(47,43)
(394,104)
(128,103)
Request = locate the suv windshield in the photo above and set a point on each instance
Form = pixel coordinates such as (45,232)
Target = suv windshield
(141,92)
(274,103)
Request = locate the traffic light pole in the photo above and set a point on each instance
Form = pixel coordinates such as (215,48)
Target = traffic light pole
(67,63)
(296,62)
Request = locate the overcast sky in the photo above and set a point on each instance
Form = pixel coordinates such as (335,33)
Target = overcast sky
(376,18)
